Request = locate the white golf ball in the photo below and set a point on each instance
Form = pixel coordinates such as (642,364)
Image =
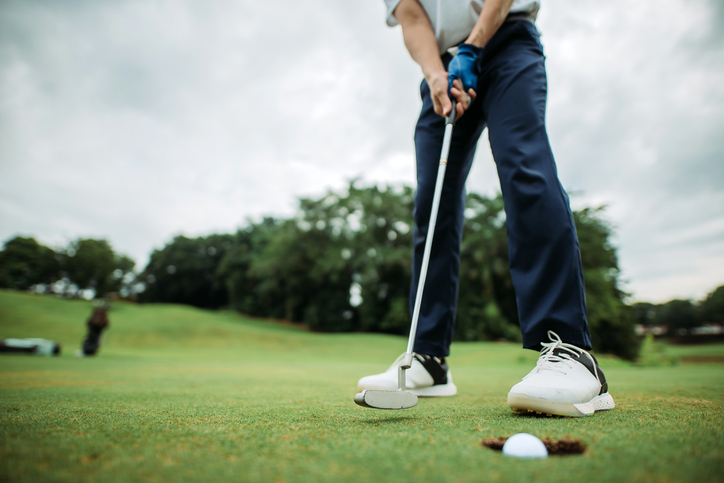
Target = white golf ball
(524,445)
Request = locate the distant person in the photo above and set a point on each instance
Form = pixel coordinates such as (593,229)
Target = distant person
(488,56)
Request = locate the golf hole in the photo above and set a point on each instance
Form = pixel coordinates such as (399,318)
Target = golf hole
(559,447)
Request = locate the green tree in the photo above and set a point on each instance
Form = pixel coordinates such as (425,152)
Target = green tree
(357,240)
(377,238)
(91,263)
(184,272)
(610,320)
(678,315)
(644,313)
(307,283)
(343,263)
(244,289)
(487,306)
(712,307)
(25,262)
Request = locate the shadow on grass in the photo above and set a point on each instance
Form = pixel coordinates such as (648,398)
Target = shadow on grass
(387,420)
(528,415)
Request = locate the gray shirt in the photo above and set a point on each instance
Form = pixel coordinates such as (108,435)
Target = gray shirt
(453,20)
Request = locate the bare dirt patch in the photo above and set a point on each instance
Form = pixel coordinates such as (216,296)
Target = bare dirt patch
(559,447)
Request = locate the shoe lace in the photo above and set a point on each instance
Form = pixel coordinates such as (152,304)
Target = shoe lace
(397,361)
(549,360)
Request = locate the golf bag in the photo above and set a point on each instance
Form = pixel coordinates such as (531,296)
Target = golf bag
(96,324)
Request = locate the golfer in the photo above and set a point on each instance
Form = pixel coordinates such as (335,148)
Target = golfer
(488,57)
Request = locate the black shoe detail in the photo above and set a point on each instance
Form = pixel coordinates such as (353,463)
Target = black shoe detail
(588,365)
(435,366)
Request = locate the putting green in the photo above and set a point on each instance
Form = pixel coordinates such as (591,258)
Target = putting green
(179,394)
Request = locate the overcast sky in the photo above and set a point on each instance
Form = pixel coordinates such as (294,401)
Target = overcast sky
(139,120)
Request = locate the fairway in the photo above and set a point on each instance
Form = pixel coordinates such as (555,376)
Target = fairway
(181,394)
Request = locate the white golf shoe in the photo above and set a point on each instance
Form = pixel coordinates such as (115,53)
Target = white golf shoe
(427,377)
(566,382)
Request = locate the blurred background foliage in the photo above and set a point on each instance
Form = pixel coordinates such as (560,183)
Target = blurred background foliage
(681,316)
(184,272)
(85,264)
(343,263)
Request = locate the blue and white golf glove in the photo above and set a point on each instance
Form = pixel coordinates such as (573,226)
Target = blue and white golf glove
(465,66)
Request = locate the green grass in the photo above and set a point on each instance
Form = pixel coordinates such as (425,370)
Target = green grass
(180,394)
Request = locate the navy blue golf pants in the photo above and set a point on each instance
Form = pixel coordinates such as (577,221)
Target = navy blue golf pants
(545,260)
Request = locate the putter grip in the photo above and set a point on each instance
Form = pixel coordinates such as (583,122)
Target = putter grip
(450,119)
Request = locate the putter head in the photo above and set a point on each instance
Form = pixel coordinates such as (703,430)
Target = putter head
(378,399)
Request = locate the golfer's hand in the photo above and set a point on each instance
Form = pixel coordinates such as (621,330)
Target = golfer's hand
(438,84)
(463,99)
(464,70)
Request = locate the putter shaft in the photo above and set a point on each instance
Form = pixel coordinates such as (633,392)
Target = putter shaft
(449,123)
(402,398)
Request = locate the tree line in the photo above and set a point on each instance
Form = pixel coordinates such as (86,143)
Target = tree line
(84,264)
(680,316)
(342,263)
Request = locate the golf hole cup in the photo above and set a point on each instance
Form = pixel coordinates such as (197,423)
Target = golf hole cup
(524,445)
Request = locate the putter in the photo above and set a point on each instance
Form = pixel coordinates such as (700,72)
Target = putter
(402,398)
